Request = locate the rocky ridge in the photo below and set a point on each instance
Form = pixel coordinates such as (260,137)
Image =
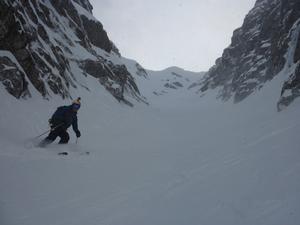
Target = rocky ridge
(48,46)
(267,45)
(170,81)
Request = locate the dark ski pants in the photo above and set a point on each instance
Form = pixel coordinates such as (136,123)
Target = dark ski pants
(58,132)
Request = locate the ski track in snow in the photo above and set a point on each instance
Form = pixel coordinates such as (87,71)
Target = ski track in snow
(273,134)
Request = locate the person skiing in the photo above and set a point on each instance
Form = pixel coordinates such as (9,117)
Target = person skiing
(61,120)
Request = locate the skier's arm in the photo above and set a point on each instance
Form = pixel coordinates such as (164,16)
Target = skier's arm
(75,127)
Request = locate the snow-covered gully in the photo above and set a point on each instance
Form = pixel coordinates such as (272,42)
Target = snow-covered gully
(181,160)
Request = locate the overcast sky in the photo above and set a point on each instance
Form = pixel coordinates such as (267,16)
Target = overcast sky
(190,34)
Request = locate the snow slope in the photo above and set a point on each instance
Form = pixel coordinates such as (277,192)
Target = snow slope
(181,160)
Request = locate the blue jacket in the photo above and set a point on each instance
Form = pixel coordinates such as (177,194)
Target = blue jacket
(66,116)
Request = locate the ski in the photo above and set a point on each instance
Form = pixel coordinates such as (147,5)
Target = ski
(67,153)
(63,153)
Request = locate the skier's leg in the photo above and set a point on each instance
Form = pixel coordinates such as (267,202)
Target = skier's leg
(48,140)
(64,137)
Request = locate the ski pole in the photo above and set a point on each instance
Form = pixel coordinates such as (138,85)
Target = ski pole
(42,134)
(51,129)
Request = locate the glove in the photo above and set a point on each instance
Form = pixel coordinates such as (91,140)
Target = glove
(50,122)
(78,134)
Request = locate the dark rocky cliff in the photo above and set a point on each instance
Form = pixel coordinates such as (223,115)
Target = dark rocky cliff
(260,50)
(47,46)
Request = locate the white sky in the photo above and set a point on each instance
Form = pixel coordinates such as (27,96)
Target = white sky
(190,34)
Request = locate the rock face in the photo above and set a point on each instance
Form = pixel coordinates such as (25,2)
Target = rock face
(265,46)
(12,77)
(50,46)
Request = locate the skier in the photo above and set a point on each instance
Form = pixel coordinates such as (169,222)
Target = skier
(61,120)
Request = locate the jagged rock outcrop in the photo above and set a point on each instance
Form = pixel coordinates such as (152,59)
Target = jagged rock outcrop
(260,50)
(12,77)
(85,4)
(48,45)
